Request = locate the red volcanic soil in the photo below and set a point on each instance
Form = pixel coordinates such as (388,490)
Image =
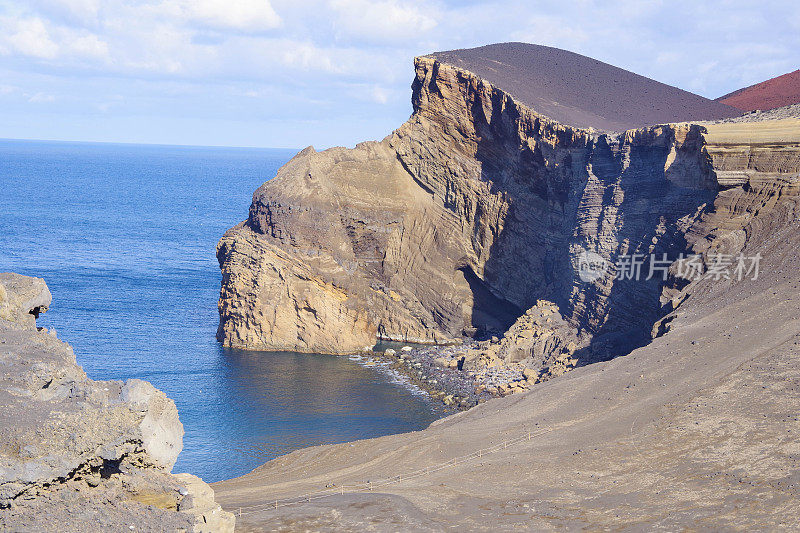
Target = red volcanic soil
(777,92)
(580,91)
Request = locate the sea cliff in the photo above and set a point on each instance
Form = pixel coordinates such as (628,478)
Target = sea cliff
(477,208)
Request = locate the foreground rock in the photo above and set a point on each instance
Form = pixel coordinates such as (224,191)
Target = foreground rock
(84,455)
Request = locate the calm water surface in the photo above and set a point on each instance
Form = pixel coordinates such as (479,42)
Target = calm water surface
(124,235)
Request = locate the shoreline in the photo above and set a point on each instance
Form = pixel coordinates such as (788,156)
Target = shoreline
(438,370)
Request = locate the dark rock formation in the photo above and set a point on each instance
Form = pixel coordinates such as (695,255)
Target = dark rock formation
(84,455)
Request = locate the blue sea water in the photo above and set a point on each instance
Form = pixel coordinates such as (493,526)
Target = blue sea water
(124,235)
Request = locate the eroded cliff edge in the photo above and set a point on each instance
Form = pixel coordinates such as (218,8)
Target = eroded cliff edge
(84,455)
(477,208)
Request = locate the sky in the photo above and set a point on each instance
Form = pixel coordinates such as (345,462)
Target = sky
(293,73)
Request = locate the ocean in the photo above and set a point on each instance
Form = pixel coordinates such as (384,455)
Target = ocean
(124,236)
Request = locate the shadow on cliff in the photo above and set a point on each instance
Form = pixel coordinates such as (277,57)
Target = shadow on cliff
(529,258)
(650,209)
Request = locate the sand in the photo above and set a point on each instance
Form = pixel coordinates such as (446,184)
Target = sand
(698,429)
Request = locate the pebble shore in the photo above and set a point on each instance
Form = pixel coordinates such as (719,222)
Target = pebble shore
(437,371)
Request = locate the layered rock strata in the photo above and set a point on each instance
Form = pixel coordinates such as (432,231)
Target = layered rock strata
(477,208)
(84,455)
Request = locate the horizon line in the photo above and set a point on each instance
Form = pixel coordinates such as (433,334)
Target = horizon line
(131,143)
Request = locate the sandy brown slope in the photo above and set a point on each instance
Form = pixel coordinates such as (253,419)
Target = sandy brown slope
(776,92)
(698,429)
(580,91)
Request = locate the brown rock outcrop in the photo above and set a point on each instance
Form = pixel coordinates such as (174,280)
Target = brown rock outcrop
(471,212)
(84,455)
(540,340)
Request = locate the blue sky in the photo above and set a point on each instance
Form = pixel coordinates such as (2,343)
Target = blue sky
(278,73)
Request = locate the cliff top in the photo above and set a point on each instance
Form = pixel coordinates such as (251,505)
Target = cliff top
(580,91)
(773,93)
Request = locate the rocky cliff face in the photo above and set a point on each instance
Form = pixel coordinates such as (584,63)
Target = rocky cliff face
(478,207)
(84,455)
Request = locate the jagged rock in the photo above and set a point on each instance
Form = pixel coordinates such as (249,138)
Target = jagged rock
(443,362)
(540,344)
(537,336)
(23,298)
(161,431)
(199,502)
(70,443)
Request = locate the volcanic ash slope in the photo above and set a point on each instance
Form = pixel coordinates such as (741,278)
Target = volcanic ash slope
(475,211)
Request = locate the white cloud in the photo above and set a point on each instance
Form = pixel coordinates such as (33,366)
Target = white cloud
(380,95)
(41,98)
(29,37)
(306,56)
(88,46)
(37,38)
(344,64)
(80,12)
(382,21)
(238,15)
